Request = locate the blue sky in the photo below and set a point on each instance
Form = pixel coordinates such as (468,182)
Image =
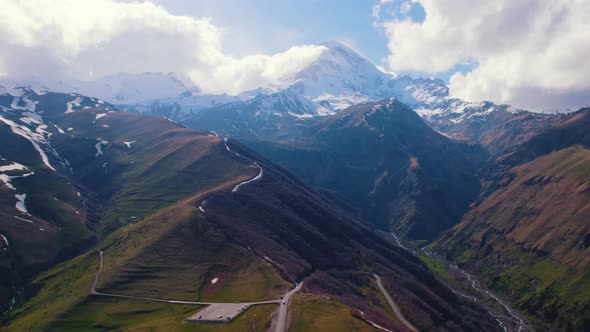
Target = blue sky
(266,26)
(529,53)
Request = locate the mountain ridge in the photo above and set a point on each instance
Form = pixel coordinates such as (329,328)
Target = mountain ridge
(162,192)
(382,160)
(337,79)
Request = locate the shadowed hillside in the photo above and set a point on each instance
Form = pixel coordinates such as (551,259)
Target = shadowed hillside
(383,161)
(176,208)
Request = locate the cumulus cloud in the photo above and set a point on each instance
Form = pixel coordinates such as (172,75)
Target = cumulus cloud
(530,53)
(377,8)
(87,39)
(255,70)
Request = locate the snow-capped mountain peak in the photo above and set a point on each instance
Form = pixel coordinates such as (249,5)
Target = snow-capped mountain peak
(338,78)
(288,102)
(120,88)
(339,71)
(126,88)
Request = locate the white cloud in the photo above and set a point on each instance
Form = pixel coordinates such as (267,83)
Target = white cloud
(238,74)
(87,39)
(530,53)
(377,8)
(406,7)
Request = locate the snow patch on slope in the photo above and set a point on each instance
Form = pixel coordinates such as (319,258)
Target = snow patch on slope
(128,144)
(99,116)
(74,103)
(287,102)
(98,147)
(20,203)
(5,240)
(13,166)
(29,105)
(33,137)
(4,178)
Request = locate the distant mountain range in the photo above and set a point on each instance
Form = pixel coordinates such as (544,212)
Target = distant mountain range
(386,163)
(329,160)
(122,88)
(339,78)
(171,208)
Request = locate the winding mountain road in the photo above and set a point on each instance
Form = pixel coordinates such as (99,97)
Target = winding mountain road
(393,305)
(257,177)
(281,324)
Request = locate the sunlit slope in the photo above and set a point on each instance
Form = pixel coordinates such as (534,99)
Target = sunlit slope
(183,214)
(531,237)
(177,236)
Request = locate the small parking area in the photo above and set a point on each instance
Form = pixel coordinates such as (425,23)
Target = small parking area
(222,312)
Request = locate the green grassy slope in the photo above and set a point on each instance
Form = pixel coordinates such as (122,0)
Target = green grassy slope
(530,239)
(248,276)
(156,242)
(54,228)
(180,258)
(145,199)
(320,313)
